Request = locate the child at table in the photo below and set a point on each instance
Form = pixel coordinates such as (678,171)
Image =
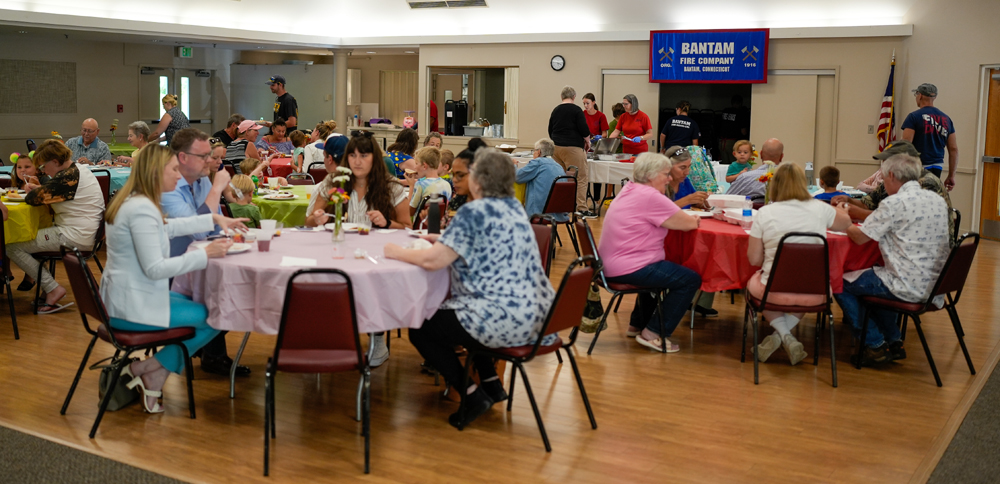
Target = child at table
(252,167)
(425,181)
(25,171)
(829,178)
(242,187)
(444,167)
(742,151)
(299,141)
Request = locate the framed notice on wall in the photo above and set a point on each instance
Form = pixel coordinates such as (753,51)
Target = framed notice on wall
(708,56)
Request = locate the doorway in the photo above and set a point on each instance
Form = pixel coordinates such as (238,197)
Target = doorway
(193,88)
(710,104)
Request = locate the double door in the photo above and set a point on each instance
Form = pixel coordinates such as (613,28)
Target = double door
(193,89)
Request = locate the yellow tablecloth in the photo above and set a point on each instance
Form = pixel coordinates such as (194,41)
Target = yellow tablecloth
(23,221)
(519,191)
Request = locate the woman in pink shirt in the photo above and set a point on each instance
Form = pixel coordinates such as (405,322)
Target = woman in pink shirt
(631,249)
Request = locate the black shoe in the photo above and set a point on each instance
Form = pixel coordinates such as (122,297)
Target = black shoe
(494,389)
(872,356)
(476,404)
(221,366)
(587,214)
(25,285)
(706,312)
(896,351)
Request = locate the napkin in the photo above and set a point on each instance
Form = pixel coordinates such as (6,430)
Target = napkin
(386,231)
(297,262)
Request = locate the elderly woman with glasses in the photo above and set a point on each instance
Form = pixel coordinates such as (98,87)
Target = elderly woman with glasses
(499,292)
(633,126)
(171,122)
(680,189)
(631,249)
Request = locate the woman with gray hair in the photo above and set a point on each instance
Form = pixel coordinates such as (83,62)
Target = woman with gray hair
(569,132)
(138,134)
(499,291)
(538,176)
(681,190)
(631,249)
(634,127)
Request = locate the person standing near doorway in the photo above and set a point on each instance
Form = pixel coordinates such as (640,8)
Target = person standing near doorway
(931,131)
(680,130)
(568,130)
(285,106)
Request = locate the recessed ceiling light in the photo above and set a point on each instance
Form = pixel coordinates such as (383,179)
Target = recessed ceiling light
(22,31)
(370,52)
(410,52)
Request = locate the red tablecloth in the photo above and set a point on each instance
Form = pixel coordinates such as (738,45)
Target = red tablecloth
(281,167)
(718,252)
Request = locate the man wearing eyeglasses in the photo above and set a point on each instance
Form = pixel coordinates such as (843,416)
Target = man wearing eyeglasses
(285,106)
(87,148)
(196,194)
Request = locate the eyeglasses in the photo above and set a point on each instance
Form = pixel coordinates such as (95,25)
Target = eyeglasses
(88,131)
(214,140)
(203,156)
(459,175)
(366,134)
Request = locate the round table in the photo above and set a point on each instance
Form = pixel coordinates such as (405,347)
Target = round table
(245,292)
(717,251)
(281,166)
(118,176)
(292,213)
(23,221)
(121,149)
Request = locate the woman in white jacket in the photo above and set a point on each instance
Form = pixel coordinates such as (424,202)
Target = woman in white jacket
(134,285)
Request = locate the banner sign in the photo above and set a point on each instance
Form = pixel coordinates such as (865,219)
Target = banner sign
(708,56)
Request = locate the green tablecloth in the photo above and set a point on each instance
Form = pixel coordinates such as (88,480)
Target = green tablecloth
(121,149)
(292,213)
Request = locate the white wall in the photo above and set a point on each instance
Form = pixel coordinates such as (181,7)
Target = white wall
(312,86)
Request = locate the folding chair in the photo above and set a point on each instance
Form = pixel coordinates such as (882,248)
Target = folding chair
(300,179)
(545,234)
(52,256)
(88,300)
(4,264)
(317,171)
(952,280)
(566,312)
(315,339)
(799,268)
(617,290)
(562,199)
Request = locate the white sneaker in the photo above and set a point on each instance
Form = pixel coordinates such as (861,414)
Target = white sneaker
(767,346)
(380,353)
(796,352)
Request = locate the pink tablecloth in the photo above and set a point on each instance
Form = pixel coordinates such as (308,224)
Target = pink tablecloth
(281,167)
(718,252)
(245,292)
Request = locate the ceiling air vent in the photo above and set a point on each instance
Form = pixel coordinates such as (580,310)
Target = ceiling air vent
(446,4)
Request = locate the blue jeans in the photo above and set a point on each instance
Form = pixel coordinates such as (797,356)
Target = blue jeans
(183,313)
(679,280)
(882,325)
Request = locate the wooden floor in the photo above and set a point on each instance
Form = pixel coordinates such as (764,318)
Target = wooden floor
(693,416)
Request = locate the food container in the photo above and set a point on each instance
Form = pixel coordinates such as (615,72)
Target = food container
(506,148)
(474,130)
(726,201)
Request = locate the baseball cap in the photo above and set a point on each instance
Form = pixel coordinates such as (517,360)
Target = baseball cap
(898,147)
(334,146)
(248,124)
(276,80)
(929,90)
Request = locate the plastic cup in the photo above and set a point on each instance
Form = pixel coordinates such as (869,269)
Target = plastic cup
(268,225)
(273,182)
(364,228)
(264,240)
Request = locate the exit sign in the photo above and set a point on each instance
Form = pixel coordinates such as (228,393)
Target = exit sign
(185,52)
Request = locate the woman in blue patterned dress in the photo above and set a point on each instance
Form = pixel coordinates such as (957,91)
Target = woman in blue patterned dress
(499,292)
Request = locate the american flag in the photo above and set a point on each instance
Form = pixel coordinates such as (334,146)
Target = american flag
(887,119)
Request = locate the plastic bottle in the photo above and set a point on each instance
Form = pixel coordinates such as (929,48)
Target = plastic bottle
(747,221)
(255,184)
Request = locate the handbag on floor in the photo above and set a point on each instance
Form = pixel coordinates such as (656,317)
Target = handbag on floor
(593,311)
(121,396)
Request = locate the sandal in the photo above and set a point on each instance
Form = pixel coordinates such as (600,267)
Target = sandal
(657,344)
(46,308)
(632,333)
(156,408)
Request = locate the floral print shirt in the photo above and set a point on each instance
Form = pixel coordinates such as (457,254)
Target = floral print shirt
(499,290)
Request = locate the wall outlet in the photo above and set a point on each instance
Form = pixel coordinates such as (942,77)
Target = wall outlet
(871,129)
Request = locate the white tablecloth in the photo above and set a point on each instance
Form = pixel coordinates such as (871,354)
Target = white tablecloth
(610,172)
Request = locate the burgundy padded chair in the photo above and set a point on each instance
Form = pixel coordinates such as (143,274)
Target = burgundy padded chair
(5,181)
(4,264)
(229,168)
(300,179)
(318,171)
(798,268)
(224,208)
(617,290)
(545,231)
(951,281)
(104,180)
(52,256)
(317,339)
(565,313)
(562,199)
(88,301)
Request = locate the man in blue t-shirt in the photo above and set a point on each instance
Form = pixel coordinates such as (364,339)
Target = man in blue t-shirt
(931,131)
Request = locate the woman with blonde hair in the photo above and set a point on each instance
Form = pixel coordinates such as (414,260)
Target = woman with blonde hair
(134,285)
(792,210)
(313,151)
(171,122)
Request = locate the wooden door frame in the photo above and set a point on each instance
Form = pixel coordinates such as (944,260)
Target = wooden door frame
(984,100)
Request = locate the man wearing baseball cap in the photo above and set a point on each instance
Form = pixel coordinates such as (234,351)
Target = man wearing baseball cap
(285,106)
(860,208)
(931,131)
